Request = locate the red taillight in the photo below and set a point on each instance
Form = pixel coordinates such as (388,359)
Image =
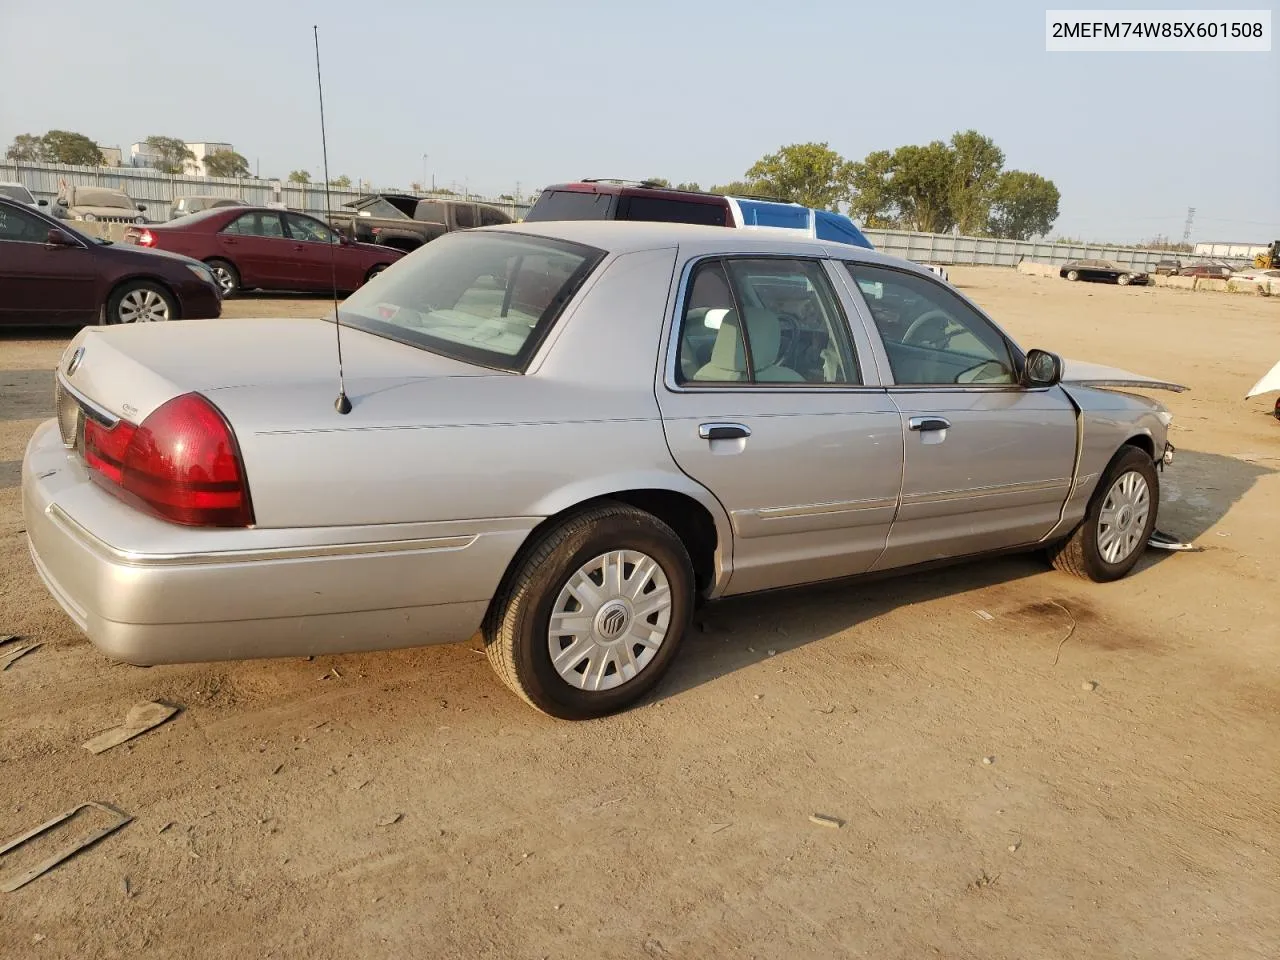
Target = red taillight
(146,238)
(182,464)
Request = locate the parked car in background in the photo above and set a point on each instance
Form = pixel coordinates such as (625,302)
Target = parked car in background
(51,273)
(18,192)
(551,441)
(624,200)
(183,206)
(1103,271)
(406,222)
(1267,280)
(1207,269)
(1167,268)
(97,203)
(259,248)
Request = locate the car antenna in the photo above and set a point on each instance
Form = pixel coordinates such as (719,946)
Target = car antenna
(343,403)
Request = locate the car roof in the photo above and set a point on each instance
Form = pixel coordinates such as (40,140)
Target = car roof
(623,187)
(632,236)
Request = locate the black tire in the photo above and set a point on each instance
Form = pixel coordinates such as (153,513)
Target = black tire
(1080,554)
(1073,275)
(123,300)
(516,631)
(228,277)
(1122,280)
(377,269)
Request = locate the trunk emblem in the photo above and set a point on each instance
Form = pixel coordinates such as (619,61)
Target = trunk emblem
(74,362)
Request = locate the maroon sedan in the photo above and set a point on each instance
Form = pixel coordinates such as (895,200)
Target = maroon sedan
(51,273)
(250,248)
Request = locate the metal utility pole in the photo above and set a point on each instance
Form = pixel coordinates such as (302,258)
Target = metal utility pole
(1186,230)
(424,172)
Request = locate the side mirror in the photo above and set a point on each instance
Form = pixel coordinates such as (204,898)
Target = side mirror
(344,240)
(62,201)
(1042,369)
(142,208)
(42,203)
(57,238)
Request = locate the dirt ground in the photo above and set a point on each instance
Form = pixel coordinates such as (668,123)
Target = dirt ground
(406,805)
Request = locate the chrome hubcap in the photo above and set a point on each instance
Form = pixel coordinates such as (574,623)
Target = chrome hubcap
(1123,519)
(223,276)
(143,306)
(609,620)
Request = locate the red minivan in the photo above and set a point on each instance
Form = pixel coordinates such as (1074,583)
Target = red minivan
(261,248)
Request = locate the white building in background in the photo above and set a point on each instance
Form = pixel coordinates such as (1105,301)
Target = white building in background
(196,167)
(142,155)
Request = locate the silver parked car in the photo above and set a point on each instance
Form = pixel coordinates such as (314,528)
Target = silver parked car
(566,436)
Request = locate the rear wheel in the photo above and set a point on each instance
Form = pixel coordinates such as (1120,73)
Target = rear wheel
(593,615)
(1118,523)
(375,271)
(141,301)
(1123,280)
(1073,275)
(227,276)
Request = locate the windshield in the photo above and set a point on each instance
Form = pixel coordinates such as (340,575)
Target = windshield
(95,197)
(13,192)
(482,297)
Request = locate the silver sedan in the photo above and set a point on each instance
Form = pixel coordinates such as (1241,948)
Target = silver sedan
(566,436)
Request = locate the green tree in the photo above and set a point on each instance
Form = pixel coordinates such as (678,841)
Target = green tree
(172,154)
(921,185)
(64,146)
(976,163)
(741,188)
(689,185)
(657,182)
(27,148)
(875,200)
(226,163)
(299,176)
(1024,205)
(809,173)
(342,182)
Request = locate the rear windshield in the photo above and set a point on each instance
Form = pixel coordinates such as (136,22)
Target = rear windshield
(666,210)
(837,227)
(485,298)
(571,205)
(96,197)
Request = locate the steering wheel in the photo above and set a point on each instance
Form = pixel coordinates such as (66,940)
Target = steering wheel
(934,316)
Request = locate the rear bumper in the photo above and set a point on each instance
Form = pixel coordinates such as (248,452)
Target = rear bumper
(149,592)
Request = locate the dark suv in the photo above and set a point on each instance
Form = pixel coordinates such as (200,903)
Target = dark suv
(621,200)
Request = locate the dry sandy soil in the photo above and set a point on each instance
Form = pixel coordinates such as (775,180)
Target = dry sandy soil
(1137,818)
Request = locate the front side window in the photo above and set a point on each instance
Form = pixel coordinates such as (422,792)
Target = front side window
(931,336)
(308,230)
(430,211)
(21,194)
(484,298)
(764,321)
(17,226)
(256,224)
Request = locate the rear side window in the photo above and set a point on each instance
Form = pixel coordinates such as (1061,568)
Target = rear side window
(572,205)
(756,213)
(666,210)
(465,215)
(492,217)
(430,211)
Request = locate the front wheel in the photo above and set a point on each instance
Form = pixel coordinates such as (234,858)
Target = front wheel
(1118,522)
(1073,275)
(141,302)
(1122,280)
(593,615)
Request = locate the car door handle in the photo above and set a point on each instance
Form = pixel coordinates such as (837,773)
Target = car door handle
(228,241)
(723,431)
(928,423)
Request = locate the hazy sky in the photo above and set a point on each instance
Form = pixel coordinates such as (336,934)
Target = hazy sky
(537,92)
